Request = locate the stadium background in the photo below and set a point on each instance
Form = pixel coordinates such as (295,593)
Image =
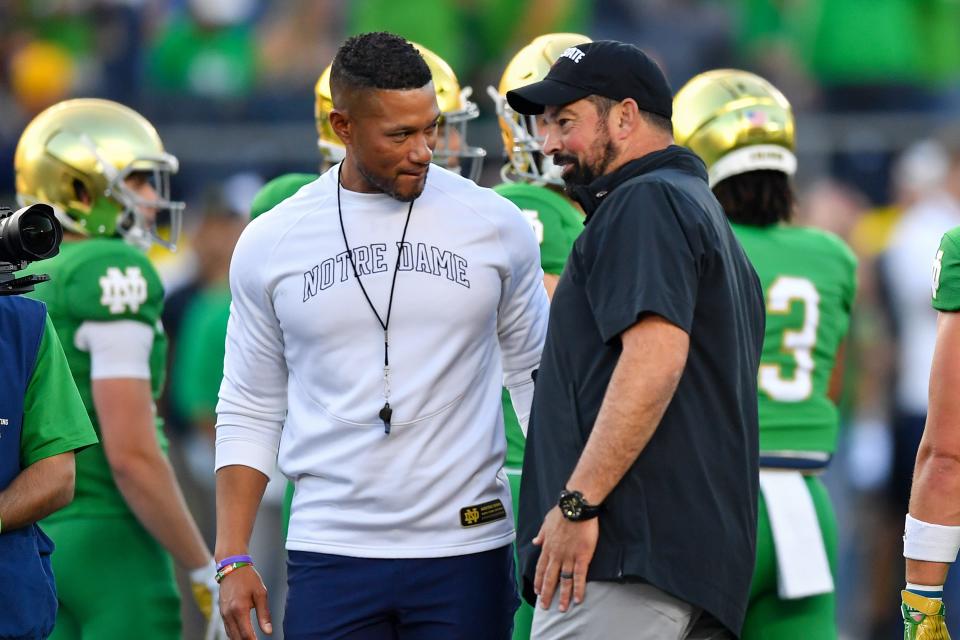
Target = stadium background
(229,85)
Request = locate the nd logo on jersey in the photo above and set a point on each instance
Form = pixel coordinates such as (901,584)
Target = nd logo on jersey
(123,290)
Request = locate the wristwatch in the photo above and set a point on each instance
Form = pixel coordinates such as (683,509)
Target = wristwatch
(575,508)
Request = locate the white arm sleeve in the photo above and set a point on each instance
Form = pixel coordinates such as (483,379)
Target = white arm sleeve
(522,319)
(117,348)
(253,394)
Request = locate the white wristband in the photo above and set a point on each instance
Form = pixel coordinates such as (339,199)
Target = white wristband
(930,542)
(204,574)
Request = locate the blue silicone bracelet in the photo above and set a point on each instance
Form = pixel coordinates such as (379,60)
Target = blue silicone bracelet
(232,559)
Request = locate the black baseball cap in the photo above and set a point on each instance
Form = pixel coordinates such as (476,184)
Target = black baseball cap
(604,68)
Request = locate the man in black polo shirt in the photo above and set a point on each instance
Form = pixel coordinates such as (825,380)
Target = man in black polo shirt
(640,475)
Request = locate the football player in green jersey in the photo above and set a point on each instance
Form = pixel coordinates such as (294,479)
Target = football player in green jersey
(533,183)
(743,129)
(932,532)
(104,169)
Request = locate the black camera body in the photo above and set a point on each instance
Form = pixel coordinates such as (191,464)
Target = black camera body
(26,235)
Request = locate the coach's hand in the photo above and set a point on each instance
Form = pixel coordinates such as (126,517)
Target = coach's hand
(240,591)
(566,549)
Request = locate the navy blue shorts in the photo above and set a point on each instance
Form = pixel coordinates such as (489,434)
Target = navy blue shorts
(471,597)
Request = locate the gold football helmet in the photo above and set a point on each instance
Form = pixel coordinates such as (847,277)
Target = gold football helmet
(331,148)
(736,122)
(452,150)
(521,141)
(77,155)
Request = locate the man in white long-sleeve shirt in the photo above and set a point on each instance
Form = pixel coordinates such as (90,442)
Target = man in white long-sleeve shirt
(376,314)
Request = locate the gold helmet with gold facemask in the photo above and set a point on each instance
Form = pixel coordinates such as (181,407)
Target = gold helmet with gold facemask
(521,141)
(452,152)
(77,156)
(736,122)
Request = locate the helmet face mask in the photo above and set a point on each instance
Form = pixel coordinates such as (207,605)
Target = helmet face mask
(135,225)
(526,161)
(453,151)
(522,141)
(81,155)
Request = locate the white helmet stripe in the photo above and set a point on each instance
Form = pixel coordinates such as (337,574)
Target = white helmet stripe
(753,158)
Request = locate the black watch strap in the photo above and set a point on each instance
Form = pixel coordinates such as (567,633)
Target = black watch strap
(573,507)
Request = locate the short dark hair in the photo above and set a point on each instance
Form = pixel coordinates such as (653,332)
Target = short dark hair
(759,198)
(377,60)
(603,105)
(658,121)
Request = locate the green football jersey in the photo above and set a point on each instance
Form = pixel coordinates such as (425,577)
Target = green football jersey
(101,280)
(556,223)
(278,190)
(809,282)
(946,273)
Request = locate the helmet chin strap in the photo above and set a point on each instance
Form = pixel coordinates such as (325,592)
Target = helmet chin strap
(135,234)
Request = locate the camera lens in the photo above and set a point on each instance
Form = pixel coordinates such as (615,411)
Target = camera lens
(37,233)
(32,233)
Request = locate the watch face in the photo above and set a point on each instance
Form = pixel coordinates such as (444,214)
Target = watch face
(570,506)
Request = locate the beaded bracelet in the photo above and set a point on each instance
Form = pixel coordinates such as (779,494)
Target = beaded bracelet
(230,568)
(232,559)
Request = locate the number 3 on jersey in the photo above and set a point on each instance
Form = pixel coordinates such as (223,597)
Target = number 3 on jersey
(784,291)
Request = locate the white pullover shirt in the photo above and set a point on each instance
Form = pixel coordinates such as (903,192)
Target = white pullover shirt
(303,374)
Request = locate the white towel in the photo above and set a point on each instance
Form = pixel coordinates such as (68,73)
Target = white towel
(803,569)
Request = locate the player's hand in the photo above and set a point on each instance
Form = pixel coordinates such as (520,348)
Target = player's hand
(566,549)
(922,618)
(241,591)
(206,593)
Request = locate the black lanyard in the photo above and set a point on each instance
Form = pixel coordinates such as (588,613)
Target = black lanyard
(386,412)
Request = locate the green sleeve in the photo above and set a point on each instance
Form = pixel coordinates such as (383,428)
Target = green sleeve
(561,228)
(946,273)
(278,190)
(54,418)
(113,281)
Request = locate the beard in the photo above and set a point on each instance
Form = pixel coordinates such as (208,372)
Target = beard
(584,173)
(389,186)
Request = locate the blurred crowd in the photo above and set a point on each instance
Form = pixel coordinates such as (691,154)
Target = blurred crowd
(229,84)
